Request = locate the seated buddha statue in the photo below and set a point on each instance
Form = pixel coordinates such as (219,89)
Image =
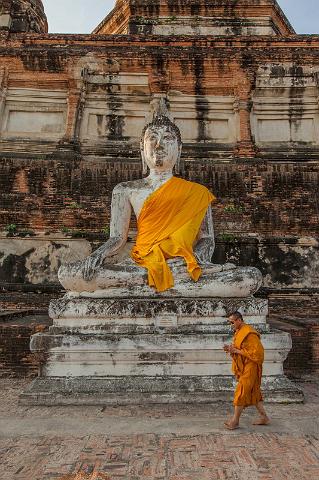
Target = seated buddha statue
(172,255)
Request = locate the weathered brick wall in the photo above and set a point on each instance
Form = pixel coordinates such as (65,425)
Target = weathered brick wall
(315,348)
(299,360)
(299,316)
(36,300)
(277,198)
(16,360)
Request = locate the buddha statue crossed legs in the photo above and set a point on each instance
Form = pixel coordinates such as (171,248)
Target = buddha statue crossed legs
(175,241)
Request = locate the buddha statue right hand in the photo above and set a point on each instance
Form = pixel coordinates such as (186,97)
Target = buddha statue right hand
(91,265)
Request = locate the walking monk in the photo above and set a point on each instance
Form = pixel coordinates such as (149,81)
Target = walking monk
(248,356)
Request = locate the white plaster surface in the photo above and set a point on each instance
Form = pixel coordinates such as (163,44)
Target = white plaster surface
(130,103)
(42,256)
(285,105)
(220,123)
(34,113)
(214,26)
(5,20)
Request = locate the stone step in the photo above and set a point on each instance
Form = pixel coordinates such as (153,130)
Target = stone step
(144,390)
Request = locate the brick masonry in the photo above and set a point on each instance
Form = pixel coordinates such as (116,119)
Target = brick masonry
(298,315)
(16,360)
(257,456)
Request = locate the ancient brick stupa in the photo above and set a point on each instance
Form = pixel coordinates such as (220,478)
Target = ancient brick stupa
(198,17)
(242,88)
(23,16)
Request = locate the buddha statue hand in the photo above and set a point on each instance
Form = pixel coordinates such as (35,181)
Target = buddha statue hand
(92,263)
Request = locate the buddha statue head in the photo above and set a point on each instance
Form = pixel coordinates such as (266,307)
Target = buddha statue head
(161,142)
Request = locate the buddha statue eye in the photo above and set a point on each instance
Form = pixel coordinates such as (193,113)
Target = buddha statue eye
(152,138)
(169,137)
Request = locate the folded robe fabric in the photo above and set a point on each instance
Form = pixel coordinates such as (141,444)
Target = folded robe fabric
(248,366)
(168,226)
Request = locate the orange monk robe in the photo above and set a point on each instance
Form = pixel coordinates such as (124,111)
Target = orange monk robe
(168,226)
(248,366)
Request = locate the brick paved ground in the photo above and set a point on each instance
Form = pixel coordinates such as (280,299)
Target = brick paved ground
(159,442)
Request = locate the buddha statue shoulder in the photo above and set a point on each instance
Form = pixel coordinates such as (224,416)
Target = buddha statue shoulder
(172,255)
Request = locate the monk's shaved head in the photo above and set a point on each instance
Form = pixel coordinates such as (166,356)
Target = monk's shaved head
(236,316)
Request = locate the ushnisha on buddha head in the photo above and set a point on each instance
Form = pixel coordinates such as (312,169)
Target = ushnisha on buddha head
(161,144)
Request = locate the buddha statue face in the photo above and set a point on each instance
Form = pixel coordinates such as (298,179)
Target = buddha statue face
(161,146)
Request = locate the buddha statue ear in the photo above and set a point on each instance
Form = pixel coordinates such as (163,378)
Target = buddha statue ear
(144,164)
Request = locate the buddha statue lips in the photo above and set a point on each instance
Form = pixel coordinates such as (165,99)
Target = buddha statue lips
(175,239)
(159,159)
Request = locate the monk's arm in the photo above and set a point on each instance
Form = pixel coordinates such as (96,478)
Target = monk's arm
(119,226)
(251,348)
(205,246)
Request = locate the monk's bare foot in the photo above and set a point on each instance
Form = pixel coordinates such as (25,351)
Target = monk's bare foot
(262,421)
(231,425)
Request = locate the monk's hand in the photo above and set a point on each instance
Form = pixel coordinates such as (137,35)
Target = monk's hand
(233,350)
(226,348)
(91,265)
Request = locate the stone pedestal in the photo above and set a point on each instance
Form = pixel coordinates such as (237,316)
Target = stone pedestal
(150,350)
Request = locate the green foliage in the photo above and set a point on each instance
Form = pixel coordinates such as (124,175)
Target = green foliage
(173,18)
(228,238)
(75,206)
(145,21)
(78,233)
(26,233)
(73,233)
(106,231)
(231,208)
(11,229)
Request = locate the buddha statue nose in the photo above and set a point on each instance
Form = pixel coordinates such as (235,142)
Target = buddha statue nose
(159,143)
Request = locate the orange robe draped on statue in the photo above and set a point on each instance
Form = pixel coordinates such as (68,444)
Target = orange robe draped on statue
(248,366)
(168,226)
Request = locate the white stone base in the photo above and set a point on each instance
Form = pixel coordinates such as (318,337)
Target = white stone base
(150,350)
